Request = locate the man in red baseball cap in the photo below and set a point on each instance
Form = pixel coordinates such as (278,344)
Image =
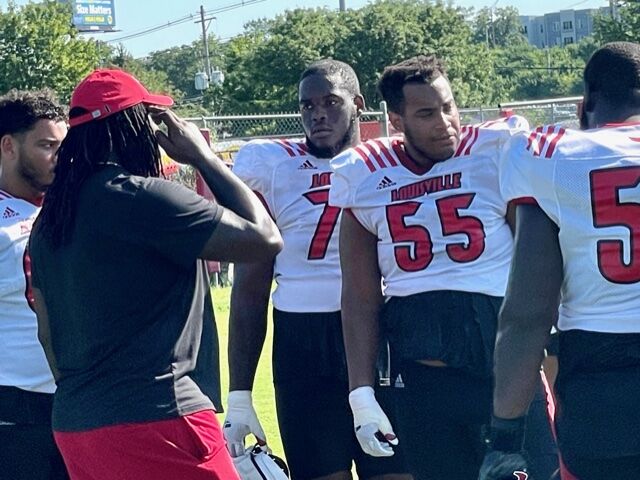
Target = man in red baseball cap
(121,289)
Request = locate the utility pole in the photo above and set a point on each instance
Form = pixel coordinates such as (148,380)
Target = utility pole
(204,40)
(613,7)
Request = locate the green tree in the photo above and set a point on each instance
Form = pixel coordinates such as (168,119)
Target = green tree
(264,64)
(40,48)
(389,31)
(154,80)
(624,26)
(497,27)
(531,73)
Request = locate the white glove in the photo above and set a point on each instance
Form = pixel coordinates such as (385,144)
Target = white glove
(369,422)
(241,420)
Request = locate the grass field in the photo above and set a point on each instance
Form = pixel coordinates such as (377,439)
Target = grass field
(263,398)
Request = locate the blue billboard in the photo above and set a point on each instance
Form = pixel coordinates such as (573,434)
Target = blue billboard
(93,15)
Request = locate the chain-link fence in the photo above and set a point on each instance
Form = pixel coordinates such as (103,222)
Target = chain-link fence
(230,132)
(563,111)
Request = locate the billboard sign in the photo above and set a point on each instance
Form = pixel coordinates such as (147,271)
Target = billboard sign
(93,15)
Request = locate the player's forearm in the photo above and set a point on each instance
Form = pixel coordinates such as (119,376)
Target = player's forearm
(361,332)
(247,322)
(361,300)
(529,310)
(518,356)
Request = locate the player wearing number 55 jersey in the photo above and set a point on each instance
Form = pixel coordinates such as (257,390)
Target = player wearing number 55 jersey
(425,214)
(581,241)
(309,367)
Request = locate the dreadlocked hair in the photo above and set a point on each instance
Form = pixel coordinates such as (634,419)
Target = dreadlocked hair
(125,138)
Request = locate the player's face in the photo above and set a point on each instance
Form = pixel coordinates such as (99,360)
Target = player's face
(329,115)
(430,121)
(37,153)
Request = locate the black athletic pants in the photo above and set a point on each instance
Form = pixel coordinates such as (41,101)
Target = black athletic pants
(27,448)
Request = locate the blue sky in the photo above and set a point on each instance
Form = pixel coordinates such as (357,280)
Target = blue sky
(135,15)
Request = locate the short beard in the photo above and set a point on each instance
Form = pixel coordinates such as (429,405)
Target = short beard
(347,141)
(28,174)
(411,138)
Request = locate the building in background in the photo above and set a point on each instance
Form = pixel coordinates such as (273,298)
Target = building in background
(560,28)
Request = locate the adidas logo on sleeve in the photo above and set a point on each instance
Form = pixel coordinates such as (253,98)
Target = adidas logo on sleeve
(386,182)
(9,213)
(307,165)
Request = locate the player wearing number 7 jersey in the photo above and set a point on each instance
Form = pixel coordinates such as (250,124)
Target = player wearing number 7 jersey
(582,243)
(309,366)
(425,214)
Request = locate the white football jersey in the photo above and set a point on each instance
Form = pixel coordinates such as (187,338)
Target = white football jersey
(443,229)
(294,185)
(22,360)
(587,182)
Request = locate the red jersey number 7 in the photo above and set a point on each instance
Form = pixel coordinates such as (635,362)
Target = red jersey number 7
(326,224)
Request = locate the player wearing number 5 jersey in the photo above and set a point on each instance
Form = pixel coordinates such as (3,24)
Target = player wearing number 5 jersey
(581,242)
(309,367)
(425,214)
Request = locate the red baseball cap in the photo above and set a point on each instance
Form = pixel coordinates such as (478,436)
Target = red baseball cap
(105,92)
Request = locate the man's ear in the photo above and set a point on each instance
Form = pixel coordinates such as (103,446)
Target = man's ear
(360,105)
(7,145)
(396,121)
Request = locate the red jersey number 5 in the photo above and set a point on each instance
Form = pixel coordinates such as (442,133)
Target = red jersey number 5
(608,211)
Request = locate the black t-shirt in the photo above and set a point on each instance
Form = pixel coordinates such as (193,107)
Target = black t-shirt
(127,299)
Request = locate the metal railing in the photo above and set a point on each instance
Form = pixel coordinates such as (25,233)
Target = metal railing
(562,110)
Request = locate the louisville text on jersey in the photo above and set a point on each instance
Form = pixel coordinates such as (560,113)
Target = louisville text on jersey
(450,181)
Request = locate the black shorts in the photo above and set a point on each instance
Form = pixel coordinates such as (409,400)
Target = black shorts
(27,448)
(598,396)
(458,328)
(312,391)
(443,416)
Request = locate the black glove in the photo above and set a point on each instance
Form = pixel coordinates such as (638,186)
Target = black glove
(505,458)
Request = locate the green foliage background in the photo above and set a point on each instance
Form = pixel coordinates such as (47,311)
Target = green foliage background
(489,60)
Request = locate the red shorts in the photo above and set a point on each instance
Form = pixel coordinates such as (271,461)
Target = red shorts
(189,448)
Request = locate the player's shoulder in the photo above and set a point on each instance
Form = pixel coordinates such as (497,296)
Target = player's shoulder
(485,137)
(622,139)
(511,124)
(14,210)
(544,142)
(272,150)
(499,128)
(369,157)
(260,157)
(364,168)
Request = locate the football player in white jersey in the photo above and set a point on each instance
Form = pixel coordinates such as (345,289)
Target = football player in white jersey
(309,366)
(32,125)
(423,212)
(579,244)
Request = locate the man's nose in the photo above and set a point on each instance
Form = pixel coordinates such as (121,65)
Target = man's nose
(319,114)
(444,121)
